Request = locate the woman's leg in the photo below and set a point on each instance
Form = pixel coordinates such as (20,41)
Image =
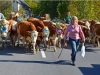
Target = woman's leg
(74,45)
(77,47)
(77,44)
(74,50)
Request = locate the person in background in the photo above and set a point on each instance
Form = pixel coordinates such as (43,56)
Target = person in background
(40,15)
(1,16)
(67,18)
(47,17)
(75,33)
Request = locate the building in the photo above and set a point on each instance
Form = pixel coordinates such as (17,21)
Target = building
(17,5)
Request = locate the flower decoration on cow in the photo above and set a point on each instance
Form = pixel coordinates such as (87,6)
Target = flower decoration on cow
(4,27)
(59,30)
(46,32)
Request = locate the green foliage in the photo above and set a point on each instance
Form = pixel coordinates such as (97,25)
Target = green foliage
(34,5)
(5,7)
(62,8)
(82,9)
(49,7)
(86,9)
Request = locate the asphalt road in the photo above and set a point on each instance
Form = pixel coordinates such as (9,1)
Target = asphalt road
(15,61)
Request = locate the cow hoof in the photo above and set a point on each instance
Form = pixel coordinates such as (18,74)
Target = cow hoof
(17,45)
(34,52)
(59,46)
(95,46)
(0,48)
(55,50)
(11,45)
(38,50)
(27,50)
(48,47)
(65,45)
(45,49)
(24,48)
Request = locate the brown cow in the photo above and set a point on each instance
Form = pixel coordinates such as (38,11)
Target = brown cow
(56,34)
(95,30)
(86,28)
(39,26)
(13,32)
(28,31)
(38,23)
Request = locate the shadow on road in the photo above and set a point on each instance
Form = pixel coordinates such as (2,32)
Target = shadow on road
(91,71)
(10,50)
(60,62)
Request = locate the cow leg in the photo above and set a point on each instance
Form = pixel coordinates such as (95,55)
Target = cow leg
(65,44)
(27,47)
(45,44)
(37,48)
(34,50)
(5,42)
(49,43)
(23,41)
(11,40)
(98,43)
(94,39)
(38,45)
(54,42)
(18,38)
(0,45)
(59,42)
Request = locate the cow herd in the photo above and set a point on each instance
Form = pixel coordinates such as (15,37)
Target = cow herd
(34,31)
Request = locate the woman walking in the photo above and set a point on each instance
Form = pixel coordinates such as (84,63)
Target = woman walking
(74,32)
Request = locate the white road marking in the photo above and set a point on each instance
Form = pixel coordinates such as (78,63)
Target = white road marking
(43,54)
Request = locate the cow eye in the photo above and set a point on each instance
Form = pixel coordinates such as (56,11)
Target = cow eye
(34,35)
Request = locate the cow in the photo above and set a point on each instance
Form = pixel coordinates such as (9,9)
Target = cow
(40,28)
(95,30)
(42,18)
(38,23)
(4,31)
(14,19)
(55,33)
(29,33)
(85,25)
(13,32)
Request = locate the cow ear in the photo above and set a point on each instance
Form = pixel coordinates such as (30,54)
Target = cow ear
(40,34)
(28,32)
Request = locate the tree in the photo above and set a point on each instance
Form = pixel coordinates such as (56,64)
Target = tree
(34,5)
(49,7)
(62,8)
(5,7)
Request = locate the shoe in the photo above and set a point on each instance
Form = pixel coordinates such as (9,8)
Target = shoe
(73,63)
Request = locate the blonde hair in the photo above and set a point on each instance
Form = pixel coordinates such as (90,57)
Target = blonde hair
(74,18)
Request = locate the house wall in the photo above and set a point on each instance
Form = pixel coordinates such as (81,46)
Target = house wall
(15,6)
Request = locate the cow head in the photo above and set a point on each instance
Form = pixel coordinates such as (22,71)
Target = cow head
(34,35)
(87,24)
(46,33)
(59,30)
(14,25)
(4,28)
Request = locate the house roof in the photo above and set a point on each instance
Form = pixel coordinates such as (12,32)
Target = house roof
(23,3)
